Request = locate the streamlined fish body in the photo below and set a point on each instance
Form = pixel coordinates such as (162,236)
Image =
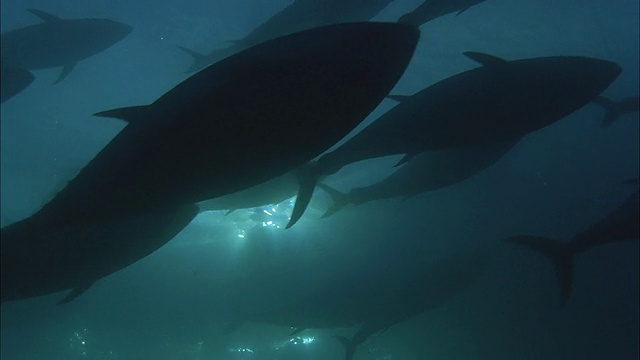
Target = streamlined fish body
(499,101)
(298,16)
(379,301)
(428,171)
(621,224)
(59,42)
(203,139)
(432,9)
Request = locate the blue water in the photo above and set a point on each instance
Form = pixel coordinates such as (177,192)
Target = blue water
(177,302)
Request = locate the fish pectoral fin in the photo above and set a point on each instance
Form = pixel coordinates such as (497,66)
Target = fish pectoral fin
(74,293)
(339,199)
(129,114)
(398,98)
(65,71)
(307,179)
(43,15)
(405,158)
(484,59)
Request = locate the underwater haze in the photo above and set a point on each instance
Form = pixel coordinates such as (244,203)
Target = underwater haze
(431,274)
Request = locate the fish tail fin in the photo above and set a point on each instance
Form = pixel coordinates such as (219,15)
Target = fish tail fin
(560,254)
(349,346)
(308,177)
(611,108)
(339,199)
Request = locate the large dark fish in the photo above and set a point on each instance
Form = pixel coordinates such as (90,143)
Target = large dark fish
(620,225)
(613,109)
(428,171)
(59,43)
(13,80)
(273,191)
(499,101)
(204,138)
(432,9)
(379,300)
(75,257)
(298,16)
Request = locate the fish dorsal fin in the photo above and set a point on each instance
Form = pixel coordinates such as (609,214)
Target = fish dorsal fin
(408,156)
(463,10)
(399,98)
(75,292)
(484,59)
(131,114)
(66,69)
(44,16)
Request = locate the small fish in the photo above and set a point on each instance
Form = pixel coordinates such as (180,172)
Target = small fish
(298,16)
(621,224)
(432,9)
(613,109)
(58,42)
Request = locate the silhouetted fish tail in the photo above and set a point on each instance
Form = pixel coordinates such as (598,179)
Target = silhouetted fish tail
(349,346)
(308,177)
(561,255)
(339,200)
(611,108)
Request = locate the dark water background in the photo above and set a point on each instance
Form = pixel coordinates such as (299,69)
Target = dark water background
(175,303)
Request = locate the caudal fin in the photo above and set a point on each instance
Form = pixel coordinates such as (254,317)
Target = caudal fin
(611,108)
(339,199)
(349,346)
(308,177)
(560,254)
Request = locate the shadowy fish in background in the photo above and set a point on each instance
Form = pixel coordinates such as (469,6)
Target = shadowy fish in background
(499,101)
(378,301)
(613,109)
(13,80)
(432,9)
(298,16)
(59,43)
(203,139)
(621,224)
(428,171)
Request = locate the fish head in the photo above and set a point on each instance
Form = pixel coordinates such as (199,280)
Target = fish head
(589,74)
(112,31)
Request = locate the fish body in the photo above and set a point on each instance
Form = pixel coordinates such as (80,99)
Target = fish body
(59,42)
